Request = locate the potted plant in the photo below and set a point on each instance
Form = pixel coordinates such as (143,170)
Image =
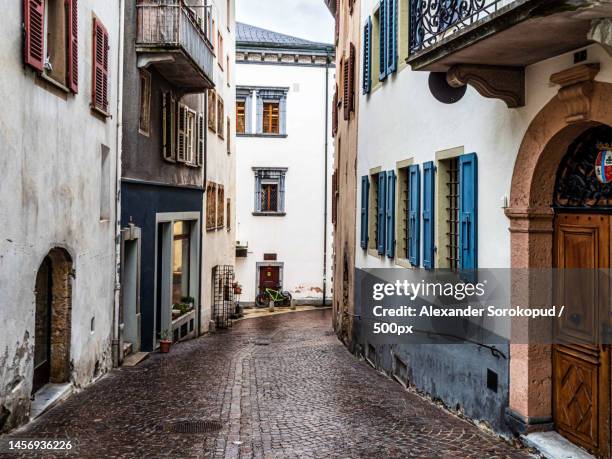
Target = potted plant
(237,288)
(165,341)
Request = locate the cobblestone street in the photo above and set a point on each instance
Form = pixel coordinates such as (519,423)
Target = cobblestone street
(280,386)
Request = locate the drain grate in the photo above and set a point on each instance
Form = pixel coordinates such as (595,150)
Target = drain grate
(193,426)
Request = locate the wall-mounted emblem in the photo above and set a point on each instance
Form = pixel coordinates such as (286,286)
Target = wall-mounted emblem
(603,163)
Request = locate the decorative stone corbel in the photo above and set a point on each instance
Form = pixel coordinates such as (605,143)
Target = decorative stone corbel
(601,32)
(576,90)
(497,82)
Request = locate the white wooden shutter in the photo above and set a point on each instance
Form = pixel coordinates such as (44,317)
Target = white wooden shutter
(181,150)
(200,140)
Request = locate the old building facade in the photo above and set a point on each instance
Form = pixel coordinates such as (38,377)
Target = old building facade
(177,179)
(469,127)
(284,153)
(57,278)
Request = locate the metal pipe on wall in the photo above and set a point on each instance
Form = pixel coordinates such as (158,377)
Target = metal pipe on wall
(327,62)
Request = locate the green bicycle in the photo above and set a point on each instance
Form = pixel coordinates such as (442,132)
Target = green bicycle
(279,298)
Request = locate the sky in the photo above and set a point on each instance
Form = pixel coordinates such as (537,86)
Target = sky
(308,19)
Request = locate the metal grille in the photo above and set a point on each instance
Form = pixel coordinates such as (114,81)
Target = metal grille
(269,197)
(223,295)
(452,214)
(193,426)
(431,21)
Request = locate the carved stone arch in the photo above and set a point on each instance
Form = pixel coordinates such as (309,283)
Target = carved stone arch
(530,211)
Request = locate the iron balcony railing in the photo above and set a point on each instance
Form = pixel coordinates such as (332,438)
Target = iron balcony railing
(432,21)
(173,24)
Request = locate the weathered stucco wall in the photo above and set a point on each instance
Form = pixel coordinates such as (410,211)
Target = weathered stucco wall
(50,197)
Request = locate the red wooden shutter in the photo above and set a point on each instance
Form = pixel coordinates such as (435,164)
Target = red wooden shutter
(34,22)
(345,98)
(73,46)
(337,31)
(100,67)
(351,78)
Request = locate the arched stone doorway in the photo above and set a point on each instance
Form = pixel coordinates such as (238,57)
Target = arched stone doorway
(53,314)
(581,105)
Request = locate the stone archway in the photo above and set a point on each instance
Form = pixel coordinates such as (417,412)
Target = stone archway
(580,104)
(53,318)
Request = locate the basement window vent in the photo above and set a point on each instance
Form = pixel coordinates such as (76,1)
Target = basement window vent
(491,380)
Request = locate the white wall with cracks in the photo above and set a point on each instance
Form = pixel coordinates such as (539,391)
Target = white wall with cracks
(51,193)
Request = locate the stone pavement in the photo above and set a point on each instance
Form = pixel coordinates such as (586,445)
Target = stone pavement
(281,386)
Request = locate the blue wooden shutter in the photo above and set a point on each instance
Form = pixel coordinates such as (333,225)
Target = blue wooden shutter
(428,214)
(390,238)
(382,41)
(468,216)
(382,195)
(414,179)
(367,56)
(365,192)
(391,44)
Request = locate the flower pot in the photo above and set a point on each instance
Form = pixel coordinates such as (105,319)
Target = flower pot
(164,346)
(237,291)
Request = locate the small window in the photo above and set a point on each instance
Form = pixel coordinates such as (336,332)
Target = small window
(211,206)
(220,118)
(145,103)
(228,214)
(240,116)
(220,56)
(220,207)
(271,118)
(448,193)
(212,110)
(229,136)
(270,191)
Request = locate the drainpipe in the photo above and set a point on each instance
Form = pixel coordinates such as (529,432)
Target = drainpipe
(116,326)
(327,60)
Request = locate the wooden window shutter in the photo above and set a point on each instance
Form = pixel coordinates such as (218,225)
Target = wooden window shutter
(100,67)
(365,196)
(34,22)
(414,193)
(468,206)
(73,46)
(351,77)
(181,145)
(381,212)
(428,214)
(345,97)
(391,42)
(168,127)
(390,214)
(382,49)
(367,56)
(335,113)
(337,30)
(334,197)
(200,141)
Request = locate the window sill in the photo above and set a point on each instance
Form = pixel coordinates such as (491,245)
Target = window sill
(269,214)
(99,112)
(281,136)
(53,82)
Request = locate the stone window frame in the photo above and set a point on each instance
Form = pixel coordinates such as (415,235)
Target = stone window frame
(265,175)
(272,95)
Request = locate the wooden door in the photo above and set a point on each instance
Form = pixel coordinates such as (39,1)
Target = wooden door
(269,277)
(42,326)
(581,365)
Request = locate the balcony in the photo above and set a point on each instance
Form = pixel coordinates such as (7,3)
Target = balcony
(172,38)
(507,33)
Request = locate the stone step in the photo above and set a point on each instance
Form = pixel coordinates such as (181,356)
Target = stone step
(134,359)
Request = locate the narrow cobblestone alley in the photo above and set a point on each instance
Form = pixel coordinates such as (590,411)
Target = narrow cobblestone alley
(273,384)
